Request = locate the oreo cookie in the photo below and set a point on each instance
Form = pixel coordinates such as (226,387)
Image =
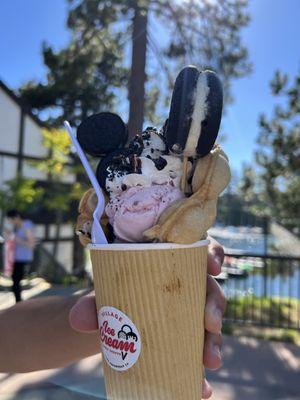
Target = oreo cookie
(149,144)
(211,124)
(112,168)
(195,113)
(102,133)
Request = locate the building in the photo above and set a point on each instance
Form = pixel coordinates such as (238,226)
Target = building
(20,142)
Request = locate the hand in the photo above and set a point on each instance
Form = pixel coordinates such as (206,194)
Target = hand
(83,315)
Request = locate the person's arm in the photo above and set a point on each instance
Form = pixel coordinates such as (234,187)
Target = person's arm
(36,335)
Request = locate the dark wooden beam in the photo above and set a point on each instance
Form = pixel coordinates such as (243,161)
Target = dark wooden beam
(21,142)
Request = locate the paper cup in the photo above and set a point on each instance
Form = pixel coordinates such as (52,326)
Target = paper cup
(150,301)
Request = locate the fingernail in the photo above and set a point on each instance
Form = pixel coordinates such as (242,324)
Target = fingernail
(217,260)
(217,350)
(218,315)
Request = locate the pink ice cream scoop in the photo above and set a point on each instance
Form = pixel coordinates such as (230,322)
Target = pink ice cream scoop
(138,209)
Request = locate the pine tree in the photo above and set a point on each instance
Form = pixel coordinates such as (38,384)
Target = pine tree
(84,77)
(278,156)
(271,188)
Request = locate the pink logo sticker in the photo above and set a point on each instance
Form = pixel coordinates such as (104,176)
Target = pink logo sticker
(120,339)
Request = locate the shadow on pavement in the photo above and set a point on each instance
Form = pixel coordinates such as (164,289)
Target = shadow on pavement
(257,369)
(82,381)
(61,291)
(48,391)
(252,369)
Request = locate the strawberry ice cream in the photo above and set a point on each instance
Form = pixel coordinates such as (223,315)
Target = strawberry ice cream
(138,209)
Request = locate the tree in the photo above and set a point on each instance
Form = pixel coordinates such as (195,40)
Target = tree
(85,77)
(81,78)
(207,34)
(278,156)
(19,193)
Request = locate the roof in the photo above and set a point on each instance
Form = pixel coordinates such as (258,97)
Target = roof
(25,107)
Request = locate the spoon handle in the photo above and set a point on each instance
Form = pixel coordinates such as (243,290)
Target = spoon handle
(97,231)
(84,161)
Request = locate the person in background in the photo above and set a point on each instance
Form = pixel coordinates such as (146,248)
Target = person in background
(24,246)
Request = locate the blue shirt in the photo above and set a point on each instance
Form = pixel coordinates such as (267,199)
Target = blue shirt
(23,253)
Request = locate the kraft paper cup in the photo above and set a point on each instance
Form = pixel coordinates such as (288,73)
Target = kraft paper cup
(150,301)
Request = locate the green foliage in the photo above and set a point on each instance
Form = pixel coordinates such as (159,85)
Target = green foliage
(278,155)
(276,311)
(207,34)
(58,195)
(250,193)
(20,193)
(81,78)
(87,75)
(274,334)
(234,209)
(227,329)
(58,166)
(57,141)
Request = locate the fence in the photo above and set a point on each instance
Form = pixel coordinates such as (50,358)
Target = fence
(262,290)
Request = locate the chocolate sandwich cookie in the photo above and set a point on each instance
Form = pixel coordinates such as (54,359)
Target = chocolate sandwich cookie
(112,168)
(102,133)
(195,113)
(149,144)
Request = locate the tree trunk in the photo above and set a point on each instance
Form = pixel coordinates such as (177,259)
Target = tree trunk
(138,72)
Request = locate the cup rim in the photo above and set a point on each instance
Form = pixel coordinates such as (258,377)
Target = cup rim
(146,246)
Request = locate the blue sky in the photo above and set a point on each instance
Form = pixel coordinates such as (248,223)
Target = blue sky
(272,39)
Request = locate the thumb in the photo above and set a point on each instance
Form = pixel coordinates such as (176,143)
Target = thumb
(83,315)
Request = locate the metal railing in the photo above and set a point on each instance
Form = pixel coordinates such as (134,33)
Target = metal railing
(262,290)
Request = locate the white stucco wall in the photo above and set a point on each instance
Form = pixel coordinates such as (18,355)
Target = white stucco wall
(8,169)
(65,255)
(10,115)
(33,145)
(66,231)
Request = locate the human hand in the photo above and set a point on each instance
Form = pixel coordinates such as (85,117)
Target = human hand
(83,315)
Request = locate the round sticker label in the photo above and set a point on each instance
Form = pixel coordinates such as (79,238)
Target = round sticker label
(120,339)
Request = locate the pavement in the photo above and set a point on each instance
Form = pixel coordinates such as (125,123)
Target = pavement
(31,288)
(257,369)
(252,369)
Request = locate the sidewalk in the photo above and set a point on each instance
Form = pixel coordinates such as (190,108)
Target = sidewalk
(257,369)
(31,288)
(252,369)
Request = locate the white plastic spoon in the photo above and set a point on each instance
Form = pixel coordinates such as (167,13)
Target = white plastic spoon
(98,236)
